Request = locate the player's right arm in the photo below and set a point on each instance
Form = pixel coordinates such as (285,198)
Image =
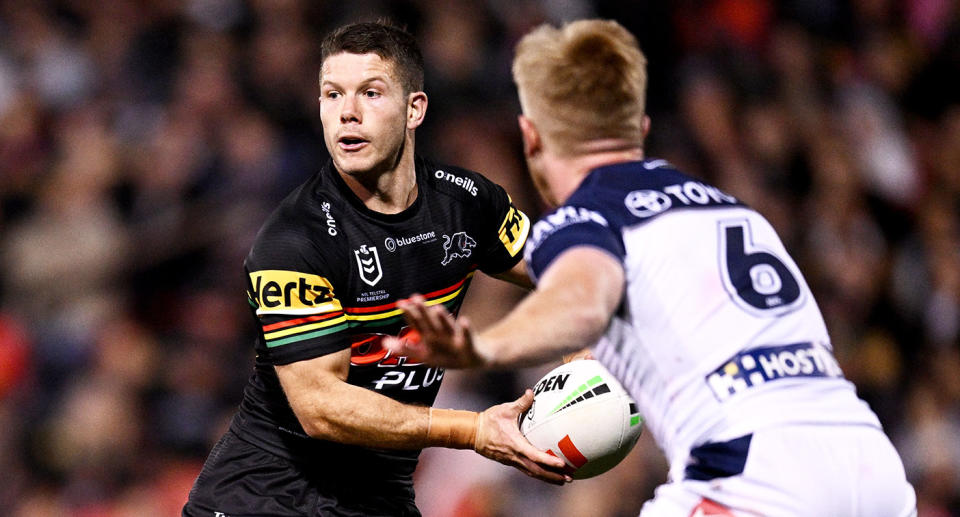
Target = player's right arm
(346,413)
(305,335)
(329,408)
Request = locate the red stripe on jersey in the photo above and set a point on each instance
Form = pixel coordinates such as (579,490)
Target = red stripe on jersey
(442,292)
(390,306)
(308,319)
(377,308)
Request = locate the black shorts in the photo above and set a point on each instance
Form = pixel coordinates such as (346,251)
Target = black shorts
(240,479)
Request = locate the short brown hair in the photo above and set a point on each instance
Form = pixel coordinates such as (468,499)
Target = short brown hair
(584,81)
(384,39)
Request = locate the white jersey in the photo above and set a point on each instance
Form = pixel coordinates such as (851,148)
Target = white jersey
(718,334)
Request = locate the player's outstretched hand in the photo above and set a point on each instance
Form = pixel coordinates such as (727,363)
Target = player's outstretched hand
(438,339)
(499,438)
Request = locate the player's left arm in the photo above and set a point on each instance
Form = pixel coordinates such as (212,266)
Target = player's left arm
(517,275)
(575,299)
(571,308)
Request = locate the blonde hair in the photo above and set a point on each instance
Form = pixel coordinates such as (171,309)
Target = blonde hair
(584,81)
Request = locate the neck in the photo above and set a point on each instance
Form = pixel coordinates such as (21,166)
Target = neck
(388,190)
(565,173)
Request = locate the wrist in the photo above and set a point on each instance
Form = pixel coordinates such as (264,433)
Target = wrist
(452,428)
(480,356)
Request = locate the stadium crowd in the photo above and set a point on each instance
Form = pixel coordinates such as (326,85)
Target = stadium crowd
(143,142)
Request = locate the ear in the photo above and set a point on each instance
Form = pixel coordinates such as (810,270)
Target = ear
(532,143)
(646,126)
(416,109)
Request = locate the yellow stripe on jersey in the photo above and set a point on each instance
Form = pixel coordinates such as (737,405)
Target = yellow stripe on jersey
(336,320)
(397,312)
(305,328)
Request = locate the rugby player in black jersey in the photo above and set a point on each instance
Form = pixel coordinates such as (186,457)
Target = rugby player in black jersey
(330,422)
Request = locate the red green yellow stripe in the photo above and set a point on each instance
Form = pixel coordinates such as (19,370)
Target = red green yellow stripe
(299,329)
(304,328)
(431,295)
(390,310)
(298,321)
(309,335)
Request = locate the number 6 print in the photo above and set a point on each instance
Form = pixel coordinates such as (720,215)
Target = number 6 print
(759,281)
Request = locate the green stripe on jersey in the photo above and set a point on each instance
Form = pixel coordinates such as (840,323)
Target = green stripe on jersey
(307,335)
(350,324)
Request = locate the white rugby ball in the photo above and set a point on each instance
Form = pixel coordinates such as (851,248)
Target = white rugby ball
(582,414)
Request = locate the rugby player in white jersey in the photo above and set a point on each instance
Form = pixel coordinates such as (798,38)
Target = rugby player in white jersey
(688,296)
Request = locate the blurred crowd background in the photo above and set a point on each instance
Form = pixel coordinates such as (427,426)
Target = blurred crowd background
(143,142)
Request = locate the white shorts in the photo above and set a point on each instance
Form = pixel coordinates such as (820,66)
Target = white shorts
(799,470)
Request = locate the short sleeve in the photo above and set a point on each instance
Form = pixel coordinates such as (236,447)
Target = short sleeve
(293,294)
(568,227)
(506,228)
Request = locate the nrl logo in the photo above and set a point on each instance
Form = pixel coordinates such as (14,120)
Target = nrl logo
(460,245)
(368,261)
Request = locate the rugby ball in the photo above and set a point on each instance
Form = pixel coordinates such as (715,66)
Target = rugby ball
(582,414)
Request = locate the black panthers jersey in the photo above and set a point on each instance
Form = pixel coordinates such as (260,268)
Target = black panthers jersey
(325,274)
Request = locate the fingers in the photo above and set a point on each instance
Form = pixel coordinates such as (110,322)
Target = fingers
(408,345)
(439,320)
(526,448)
(541,457)
(413,310)
(536,471)
(444,340)
(535,466)
(499,438)
(542,466)
(429,321)
(586,353)
(524,402)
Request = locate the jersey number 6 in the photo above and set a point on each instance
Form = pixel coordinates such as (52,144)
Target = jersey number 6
(758,280)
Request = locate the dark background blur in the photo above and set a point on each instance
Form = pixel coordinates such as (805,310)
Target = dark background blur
(143,142)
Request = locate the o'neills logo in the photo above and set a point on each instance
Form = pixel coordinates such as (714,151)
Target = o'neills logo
(468,184)
(331,222)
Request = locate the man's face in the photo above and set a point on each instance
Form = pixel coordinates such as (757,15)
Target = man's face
(364,112)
